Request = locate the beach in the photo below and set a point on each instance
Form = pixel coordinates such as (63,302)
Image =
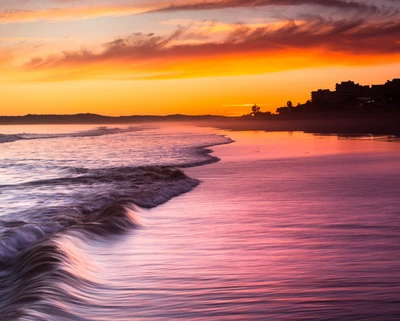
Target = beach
(286,225)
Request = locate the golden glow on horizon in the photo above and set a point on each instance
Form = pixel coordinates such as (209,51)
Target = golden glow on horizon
(185,96)
(192,67)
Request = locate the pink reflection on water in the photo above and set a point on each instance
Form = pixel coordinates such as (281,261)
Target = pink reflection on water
(255,145)
(288,226)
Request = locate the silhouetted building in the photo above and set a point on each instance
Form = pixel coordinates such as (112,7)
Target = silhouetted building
(350,96)
(387,95)
(349,91)
(377,90)
(321,96)
(392,87)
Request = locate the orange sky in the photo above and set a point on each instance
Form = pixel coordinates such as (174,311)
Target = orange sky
(209,57)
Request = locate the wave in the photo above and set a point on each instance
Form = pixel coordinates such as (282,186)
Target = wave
(34,273)
(145,186)
(33,258)
(35,266)
(99,131)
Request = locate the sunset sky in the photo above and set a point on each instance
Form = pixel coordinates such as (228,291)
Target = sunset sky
(188,56)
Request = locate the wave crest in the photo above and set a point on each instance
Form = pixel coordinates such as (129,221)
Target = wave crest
(99,131)
(31,275)
(145,186)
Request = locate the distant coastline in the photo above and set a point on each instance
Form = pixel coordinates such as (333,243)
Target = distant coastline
(350,109)
(351,122)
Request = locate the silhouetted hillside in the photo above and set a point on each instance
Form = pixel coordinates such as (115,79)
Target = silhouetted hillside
(352,122)
(95,119)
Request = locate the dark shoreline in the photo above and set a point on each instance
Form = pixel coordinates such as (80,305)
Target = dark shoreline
(375,123)
(352,124)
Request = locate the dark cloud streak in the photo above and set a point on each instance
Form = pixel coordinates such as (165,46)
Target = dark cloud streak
(224,4)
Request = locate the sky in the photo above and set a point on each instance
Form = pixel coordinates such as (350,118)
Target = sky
(161,57)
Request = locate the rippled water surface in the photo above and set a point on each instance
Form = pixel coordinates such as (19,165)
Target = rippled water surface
(287,226)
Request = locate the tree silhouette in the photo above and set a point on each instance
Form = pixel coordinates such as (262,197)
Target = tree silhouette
(255,110)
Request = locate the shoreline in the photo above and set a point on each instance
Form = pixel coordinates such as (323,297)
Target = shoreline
(375,123)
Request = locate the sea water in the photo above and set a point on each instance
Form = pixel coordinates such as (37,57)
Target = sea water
(287,226)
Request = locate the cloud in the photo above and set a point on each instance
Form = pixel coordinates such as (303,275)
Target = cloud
(244,50)
(223,4)
(84,11)
(69,13)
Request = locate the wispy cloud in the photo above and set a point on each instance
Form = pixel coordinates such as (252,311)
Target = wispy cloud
(70,13)
(168,58)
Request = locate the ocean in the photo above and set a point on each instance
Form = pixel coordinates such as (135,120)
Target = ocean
(181,222)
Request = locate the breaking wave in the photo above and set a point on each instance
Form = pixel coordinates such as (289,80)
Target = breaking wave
(32,257)
(80,204)
(99,131)
(144,186)
(34,273)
